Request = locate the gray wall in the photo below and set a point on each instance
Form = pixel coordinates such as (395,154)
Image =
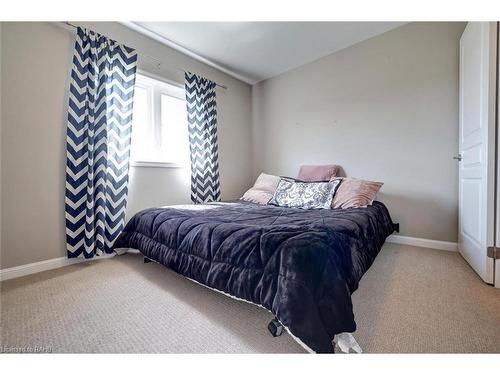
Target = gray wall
(386,110)
(35,66)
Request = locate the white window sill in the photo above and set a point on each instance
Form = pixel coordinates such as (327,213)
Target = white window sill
(154,164)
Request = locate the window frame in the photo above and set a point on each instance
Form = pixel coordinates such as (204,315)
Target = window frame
(155,99)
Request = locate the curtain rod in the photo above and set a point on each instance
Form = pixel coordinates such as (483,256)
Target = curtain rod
(154,58)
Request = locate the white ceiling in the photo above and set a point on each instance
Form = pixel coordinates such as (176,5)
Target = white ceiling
(254,51)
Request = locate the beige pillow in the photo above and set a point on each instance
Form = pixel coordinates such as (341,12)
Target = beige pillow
(354,193)
(263,189)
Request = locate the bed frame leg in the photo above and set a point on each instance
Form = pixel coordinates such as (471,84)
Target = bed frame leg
(275,327)
(147,260)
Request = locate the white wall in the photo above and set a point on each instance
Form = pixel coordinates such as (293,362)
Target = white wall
(386,110)
(36,61)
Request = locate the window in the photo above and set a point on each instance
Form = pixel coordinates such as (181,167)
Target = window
(159,128)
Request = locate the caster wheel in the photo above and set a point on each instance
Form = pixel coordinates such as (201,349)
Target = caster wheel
(275,327)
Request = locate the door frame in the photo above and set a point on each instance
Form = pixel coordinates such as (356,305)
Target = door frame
(496,266)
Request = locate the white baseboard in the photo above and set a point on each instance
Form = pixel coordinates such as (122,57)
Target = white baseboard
(423,242)
(44,265)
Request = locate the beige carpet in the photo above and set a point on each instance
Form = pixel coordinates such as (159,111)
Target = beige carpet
(411,300)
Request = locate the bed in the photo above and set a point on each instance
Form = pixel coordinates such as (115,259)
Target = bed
(302,265)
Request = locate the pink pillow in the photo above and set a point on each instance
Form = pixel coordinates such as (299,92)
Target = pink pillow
(263,189)
(313,173)
(354,193)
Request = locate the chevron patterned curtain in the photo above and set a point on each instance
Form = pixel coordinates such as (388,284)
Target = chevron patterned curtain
(101,97)
(202,122)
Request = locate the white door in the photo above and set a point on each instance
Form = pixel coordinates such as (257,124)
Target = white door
(477,146)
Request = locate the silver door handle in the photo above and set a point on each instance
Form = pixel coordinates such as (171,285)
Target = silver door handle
(458,157)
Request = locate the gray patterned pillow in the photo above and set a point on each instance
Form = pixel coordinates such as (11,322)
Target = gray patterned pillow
(299,194)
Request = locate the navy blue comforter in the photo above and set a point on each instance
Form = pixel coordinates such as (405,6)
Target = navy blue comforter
(302,265)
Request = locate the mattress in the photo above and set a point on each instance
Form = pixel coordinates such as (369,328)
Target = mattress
(302,265)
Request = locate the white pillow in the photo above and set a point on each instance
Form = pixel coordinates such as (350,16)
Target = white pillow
(308,195)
